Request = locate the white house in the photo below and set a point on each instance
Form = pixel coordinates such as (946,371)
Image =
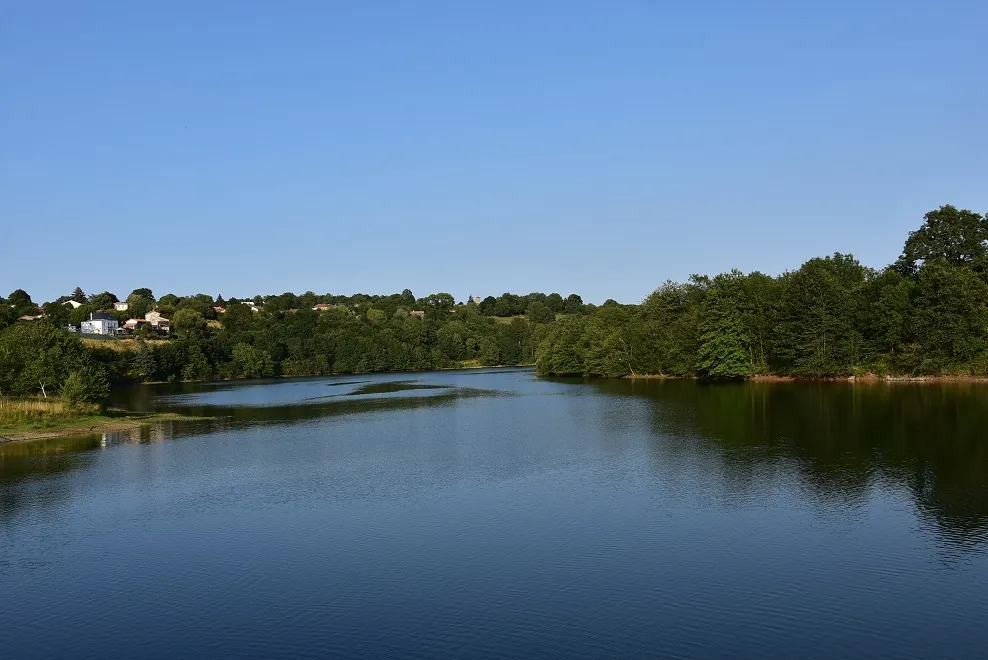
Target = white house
(154,318)
(74,304)
(100,323)
(120,306)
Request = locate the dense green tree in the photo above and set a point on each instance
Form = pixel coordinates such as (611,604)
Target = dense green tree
(143,293)
(885,307)
(19,297)
(251,363)
(725,347)
(573,304)
(87,385)
(188,323)
(78,295)
(138,306)
(102,301)
(438,305)
(169,300)
(36,358)
(538,312)
(376,317)
(487,305)
(196,366)
(144,363)
(56,313)
(817,334)
(950,317)
(7,315)
(959,237)
(555,302)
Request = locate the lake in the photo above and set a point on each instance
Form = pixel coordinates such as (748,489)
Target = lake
(493,514)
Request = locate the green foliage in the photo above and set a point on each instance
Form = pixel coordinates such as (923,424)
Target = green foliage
(950,317)
(958,237)
(37,357)
(538,312)
(144,362)
(85,386)
(138,306)
(188,323)
(101,301)
(817,334)
(249,362)
(725,347)
(830,318)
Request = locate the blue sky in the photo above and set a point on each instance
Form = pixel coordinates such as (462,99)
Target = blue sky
(591,147)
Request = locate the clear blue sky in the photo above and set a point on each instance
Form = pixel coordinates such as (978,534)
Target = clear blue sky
(591,147)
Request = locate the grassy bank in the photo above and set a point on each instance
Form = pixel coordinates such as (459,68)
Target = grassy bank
(35,419)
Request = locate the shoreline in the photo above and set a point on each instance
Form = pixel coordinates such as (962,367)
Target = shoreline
(864,378)
(93,425)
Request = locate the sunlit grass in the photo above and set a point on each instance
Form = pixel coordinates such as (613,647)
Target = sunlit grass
(41,412)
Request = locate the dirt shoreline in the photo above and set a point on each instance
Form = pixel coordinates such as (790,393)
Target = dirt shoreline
(93,425)
(865,378)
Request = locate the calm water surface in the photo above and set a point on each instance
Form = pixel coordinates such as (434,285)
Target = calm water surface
(493,514)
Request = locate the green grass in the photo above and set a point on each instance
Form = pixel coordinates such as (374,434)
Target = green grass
(24,419)
(40,413)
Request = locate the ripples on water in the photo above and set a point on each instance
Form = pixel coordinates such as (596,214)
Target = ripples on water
(493,514)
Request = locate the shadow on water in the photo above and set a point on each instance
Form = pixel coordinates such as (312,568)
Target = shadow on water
(840,438)
(394,386)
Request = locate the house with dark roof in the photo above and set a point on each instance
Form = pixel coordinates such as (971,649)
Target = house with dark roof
(100,323)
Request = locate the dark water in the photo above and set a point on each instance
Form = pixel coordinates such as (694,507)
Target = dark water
(492,514)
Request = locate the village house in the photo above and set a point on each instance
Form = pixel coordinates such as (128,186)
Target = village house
(100,323)
(159,325)
(322,307)
(73,304)
(417,313)
(219,310)
(153,317)
(120,306)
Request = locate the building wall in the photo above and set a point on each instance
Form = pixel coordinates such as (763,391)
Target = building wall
(99,327)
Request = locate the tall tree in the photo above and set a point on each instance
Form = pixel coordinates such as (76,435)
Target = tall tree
(950,316)
(143,293)
(37,357)
(817,334)
(725,347)
(959,237)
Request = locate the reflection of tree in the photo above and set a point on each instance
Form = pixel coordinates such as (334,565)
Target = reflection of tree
(841,437)
(23,466)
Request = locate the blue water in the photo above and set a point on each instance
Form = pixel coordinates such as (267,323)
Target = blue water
(494,514)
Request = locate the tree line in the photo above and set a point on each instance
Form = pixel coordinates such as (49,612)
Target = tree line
(833,317)
(267,336)
(925,314)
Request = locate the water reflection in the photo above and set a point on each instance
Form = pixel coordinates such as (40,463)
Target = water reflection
(836,442)
(840,439)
